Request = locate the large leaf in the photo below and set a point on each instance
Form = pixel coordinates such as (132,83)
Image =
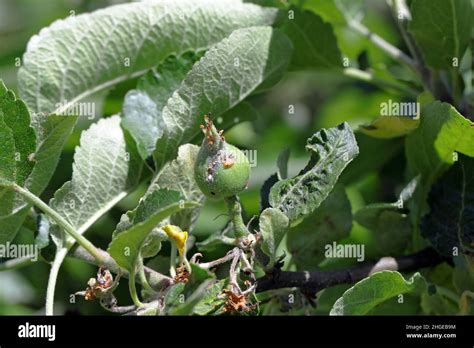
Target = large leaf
(78,56)
(143,106)
(430,149)
(227,73)
(389,222)
(315,45)
(331,222)
(273,227)
(16,131)
(18,142)
(375,289)
(125,246)
(442,29)
(103,172)
(331,150)
(450,222)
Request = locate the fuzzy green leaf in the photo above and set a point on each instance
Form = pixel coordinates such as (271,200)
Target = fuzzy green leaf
(227,74)
(125,246)
(331,151)
(103,172)
(273,227)
(143,106)
(17,147)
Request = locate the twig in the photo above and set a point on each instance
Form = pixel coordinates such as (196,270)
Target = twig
(229,256)
(400,9)
(66,226)
(318,280)
(155,279)
(383,83)
(388,48)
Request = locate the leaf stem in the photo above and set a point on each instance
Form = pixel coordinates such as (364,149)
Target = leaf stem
(133,289)
(142,276)
(235,213)
(53,276)
(173,260)
(371,78)
(66,226)
(385,46)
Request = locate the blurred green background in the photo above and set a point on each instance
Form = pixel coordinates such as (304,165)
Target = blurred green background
(318,100)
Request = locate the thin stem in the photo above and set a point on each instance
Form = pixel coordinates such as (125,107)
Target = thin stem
(16,263)
(53,276)
(400,8)
(142,276)
(133,289)
(173,260)
(371,78)
(235,213)
(154,278)
(36,201)
(388,48)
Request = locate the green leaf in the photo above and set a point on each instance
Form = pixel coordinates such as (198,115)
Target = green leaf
(331,222)
(331,150)
(143,106)
(273,227)
(126,245)
(375,289)
(211,301)
(198,286)
(282,164)
(391,226)
(450,223)
(145,33)
(227,74)
(442,29)
(430,149)
(178,175)
(16,118)
(386,127)
(315,45)
(18,144)
(102,175)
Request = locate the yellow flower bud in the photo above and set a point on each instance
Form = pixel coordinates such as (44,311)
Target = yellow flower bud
(178,236)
